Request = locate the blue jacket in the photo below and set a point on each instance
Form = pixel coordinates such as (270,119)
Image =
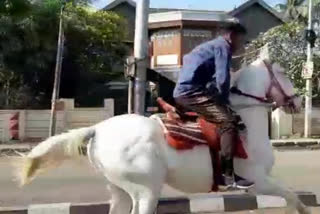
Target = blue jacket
(206,68)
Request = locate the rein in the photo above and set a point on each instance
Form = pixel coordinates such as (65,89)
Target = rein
(237,91)
(274,83)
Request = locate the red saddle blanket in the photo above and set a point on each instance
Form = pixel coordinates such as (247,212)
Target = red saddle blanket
(187,130)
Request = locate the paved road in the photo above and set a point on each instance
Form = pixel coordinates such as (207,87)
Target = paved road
(78,182)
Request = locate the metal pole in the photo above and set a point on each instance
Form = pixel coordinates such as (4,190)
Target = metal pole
(130,95)
(56,84)
(308,97)
(141,53)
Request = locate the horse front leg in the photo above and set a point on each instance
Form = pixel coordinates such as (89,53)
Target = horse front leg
(264,184)
(120,201)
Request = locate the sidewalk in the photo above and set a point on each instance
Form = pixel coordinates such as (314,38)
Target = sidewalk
(290,144)
(14,148)
(296,144)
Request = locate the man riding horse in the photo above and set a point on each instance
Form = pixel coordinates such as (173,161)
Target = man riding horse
(203,87)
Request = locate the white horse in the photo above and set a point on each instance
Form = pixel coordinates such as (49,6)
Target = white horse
(132,152)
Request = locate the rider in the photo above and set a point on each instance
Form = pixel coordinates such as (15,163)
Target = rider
(203,86)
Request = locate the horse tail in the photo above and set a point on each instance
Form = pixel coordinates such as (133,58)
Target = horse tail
(51,153)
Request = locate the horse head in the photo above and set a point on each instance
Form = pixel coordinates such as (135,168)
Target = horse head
(281,88)
(267,82)
(282,91)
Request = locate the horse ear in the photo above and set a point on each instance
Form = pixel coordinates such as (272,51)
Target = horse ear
(264,53)
(243,65)
(277,67)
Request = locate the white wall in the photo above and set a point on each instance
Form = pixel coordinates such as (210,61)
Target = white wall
(34,124)
(287,125)
(298,121)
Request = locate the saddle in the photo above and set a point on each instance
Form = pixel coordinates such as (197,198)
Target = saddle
(186,130)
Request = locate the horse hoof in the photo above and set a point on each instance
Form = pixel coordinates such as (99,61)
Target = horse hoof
(290,210)
(306,210)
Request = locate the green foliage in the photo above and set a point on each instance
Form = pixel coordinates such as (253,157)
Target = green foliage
(287,46)
(15,7)
(296,10)
(101,33)
(28,45)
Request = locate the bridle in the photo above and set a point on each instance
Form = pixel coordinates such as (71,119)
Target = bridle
(273,83)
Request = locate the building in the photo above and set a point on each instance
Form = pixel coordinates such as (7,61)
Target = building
(174,32)
(254,12)
(251,14)
(182,24)
(127,9)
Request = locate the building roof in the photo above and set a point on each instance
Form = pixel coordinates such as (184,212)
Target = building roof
(209,13)
(190,15)
(249,3)
(115,3)
(161,10)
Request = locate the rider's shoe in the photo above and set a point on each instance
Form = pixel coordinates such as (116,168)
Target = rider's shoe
(234,183)
(241,183)
(228,180)
(226,183)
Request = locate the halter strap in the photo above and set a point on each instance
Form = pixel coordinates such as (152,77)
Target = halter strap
(274,83)
(237,91)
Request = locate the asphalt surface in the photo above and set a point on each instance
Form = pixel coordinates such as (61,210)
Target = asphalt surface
(78,182)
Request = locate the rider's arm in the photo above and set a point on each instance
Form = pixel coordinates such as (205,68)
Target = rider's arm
(222,74)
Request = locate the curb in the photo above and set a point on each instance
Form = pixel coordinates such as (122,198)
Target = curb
(296,143)
(287,144)
(193,204)
(13,149)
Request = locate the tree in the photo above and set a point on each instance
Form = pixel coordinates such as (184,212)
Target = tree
(287,46)
(28,38)
(293,9)
(296,10)
(13,30)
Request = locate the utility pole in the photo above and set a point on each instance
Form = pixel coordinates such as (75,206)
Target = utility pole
(57,75)
(130,73)
(308,97)
(130,95)
(141,55)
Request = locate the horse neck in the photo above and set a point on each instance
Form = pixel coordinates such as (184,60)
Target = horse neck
(256,120)
(254,79)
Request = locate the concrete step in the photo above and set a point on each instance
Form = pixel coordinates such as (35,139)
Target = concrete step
(205,203)
(315,210)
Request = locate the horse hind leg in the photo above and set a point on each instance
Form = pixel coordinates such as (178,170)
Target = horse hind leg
(144,204)
(144,194)
(143,187)
(120,202)
(145,190)
(264,184)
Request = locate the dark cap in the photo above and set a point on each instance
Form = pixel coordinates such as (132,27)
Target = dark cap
(236,28)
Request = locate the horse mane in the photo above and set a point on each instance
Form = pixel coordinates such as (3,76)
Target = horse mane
(236,75)
(262,55)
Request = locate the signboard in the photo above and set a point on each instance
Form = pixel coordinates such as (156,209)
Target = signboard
(152,109)
(130,67)
(307,70)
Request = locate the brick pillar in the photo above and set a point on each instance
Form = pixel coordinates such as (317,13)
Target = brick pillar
(14,126)
(282,124)
(109,106)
